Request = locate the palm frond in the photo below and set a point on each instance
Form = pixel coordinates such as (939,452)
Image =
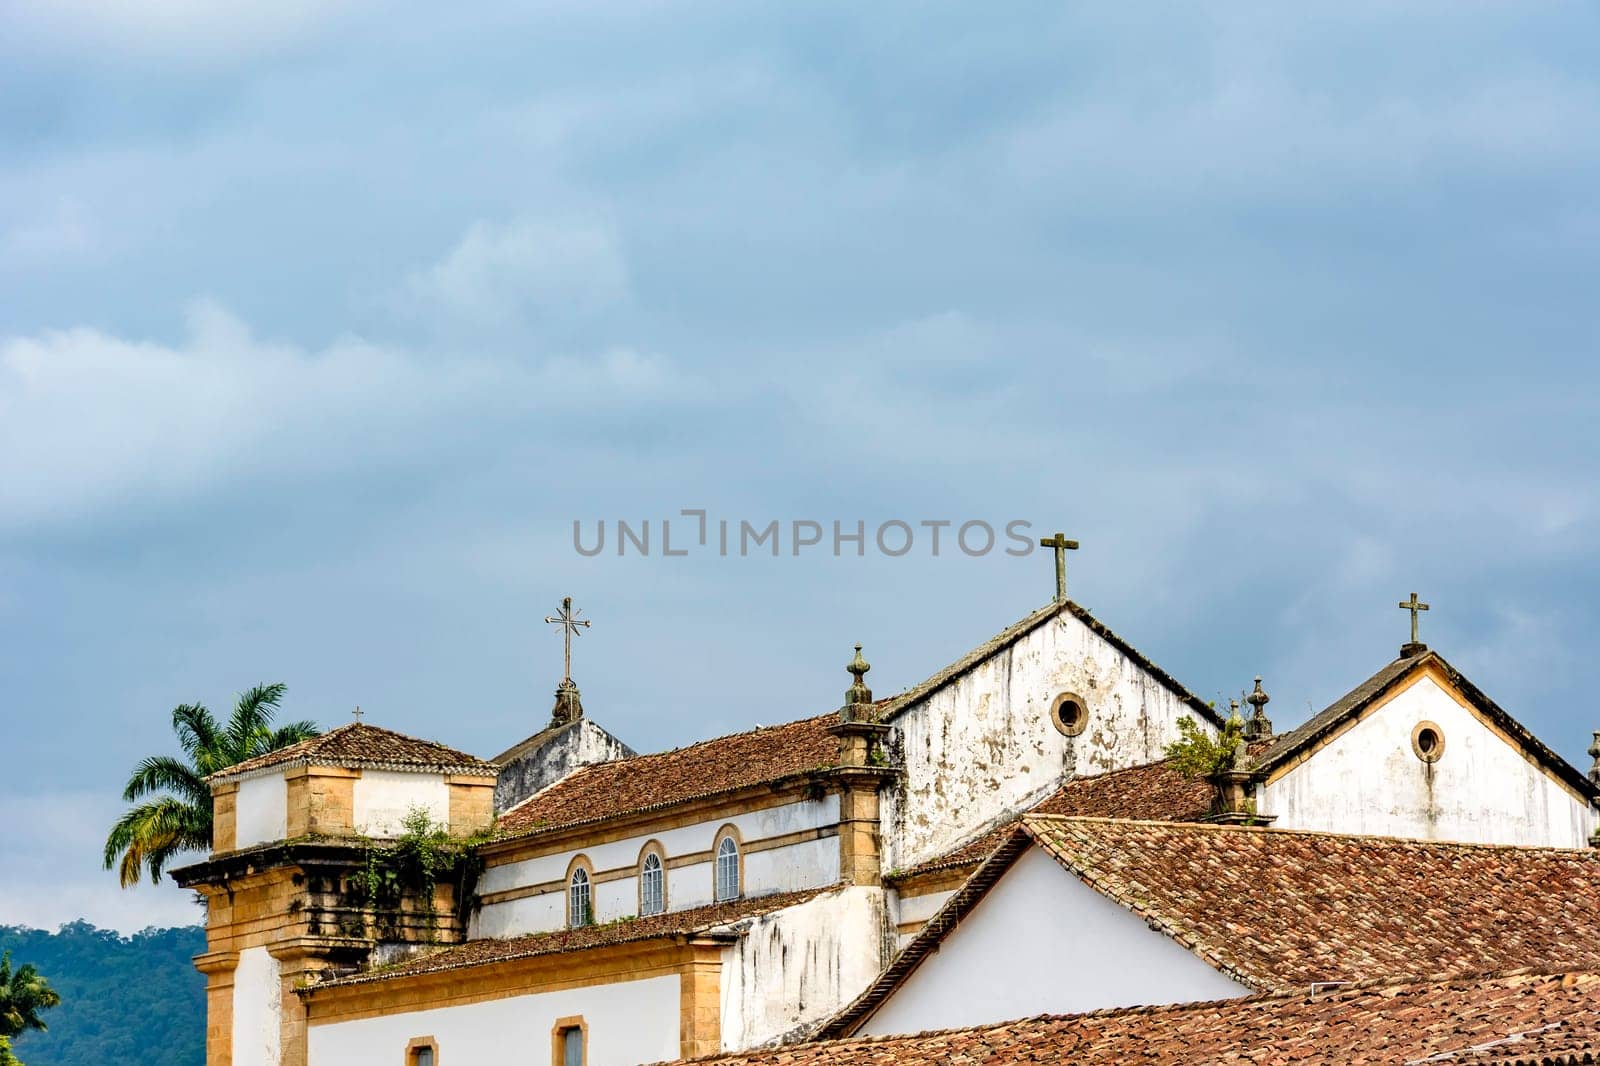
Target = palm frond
(149,835)
(250,725)
(196,728)
(162,772)
(293,733)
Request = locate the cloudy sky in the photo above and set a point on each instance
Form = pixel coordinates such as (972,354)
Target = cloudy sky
(322,322)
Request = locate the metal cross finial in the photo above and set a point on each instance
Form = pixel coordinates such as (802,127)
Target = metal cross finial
(569,622)
(1413,605)
(358,713)
(1062,545)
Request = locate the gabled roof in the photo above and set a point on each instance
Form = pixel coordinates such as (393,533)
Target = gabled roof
(649,782)
(671,924)
(1502,1020)
(1352,704)
(1011,634)
(766,756)
(361,746)
(1282,909)
(1152,792)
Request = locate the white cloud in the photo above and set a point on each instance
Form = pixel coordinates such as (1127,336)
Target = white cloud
(501,273)
(200,31)
(90,421)
(55,839)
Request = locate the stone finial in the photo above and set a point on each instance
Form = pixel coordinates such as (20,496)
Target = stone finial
(569,704)
(858,692)
(1259,725)
(1234,721)
(1594,753)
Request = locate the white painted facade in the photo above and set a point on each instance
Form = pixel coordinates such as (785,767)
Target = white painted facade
(1041,941)
(628,1022)
(383,798)
(794,968)
(810,863)
(257,1009)
(984,746)
(261,810)
(1481,789)
(919,909)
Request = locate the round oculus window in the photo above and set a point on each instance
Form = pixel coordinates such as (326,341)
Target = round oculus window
(1427,741)
(1070,714)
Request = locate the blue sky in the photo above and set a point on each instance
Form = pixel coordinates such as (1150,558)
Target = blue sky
(322,322)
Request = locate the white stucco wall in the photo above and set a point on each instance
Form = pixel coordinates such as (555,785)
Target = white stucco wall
(1044,942)
(261,811)
(383,798)
(257,1009)
(806,864)
(796,967)
(1368,780)
(905,909)
(985,744)
(629,1022)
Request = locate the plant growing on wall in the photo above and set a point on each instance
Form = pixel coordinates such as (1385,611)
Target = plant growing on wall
(412,865)
(1198,754)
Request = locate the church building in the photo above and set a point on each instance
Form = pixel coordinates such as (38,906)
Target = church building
(861,872)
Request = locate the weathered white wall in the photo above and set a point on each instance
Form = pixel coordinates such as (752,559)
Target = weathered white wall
(985,744)
(557,753)
(629,1022)
(1044,942)
(261,810)
(1368,780)
(808,864)
(797,966)
(383,798)
(257,1009)
(904,909)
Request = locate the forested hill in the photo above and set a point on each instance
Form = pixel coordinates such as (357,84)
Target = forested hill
(123,999)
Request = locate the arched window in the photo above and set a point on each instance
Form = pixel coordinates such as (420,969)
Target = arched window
(579,909)
(652,885)
(727,869)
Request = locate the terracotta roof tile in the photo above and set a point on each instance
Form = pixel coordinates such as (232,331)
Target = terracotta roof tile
(1281,909)
(359,745)
(1152,792)
(672,923)
(645,782)
(1509,1020)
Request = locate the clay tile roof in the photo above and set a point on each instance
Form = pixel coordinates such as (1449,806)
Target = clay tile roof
(647,782)
(1152,792)
(359,745)
(1349,706)
(1281,909)
(1505,1020)
(671,924)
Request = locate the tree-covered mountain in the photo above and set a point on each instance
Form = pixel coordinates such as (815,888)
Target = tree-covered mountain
(123,999)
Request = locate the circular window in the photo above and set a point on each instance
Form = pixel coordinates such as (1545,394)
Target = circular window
(1427,741)
(1069,714)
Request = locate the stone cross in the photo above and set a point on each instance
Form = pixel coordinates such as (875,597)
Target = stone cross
(1062,545)
(1413,605)
(569,622)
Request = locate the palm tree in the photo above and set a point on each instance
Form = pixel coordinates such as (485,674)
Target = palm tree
(23,994)
(178,818)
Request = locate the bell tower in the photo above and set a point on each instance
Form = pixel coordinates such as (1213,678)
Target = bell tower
(290,888)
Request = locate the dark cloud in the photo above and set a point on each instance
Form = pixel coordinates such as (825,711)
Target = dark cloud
(323,326)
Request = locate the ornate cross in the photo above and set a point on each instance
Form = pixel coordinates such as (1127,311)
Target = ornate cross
(1062,545)
(569,622)
(1413,605)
